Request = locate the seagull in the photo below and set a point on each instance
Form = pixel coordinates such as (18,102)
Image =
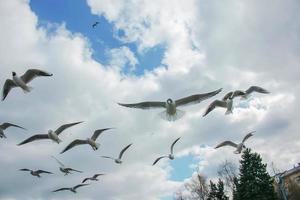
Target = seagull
(226,102)
(72,189)
(91,141)
(170,156)
(36,172)
(93,178)
(22,81)
(5,126)
(52,135)
(118,160)
(95,24)
(171,112)
(64,169)
(239,147)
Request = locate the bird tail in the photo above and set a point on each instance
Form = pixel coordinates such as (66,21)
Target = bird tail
(164,115)
(27,89)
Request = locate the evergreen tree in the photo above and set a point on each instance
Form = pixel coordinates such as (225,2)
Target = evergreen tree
(212,191)
(216,192)
(234,190)
(254,182)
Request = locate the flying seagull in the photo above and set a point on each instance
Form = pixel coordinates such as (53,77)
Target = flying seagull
(22,81)
(5,126)
(170,156)
(118,160)
(171,112)
(95,24)
(52,135)
(91,141)
(239,147)
(226,102)
(64,169)
(93,178)
(36,172)
(72,189)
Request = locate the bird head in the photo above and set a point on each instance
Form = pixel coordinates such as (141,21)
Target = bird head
(14,73)
(169,101)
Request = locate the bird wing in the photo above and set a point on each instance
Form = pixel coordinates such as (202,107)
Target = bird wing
(213,105)
(33,73)
(61,189)
(172,146)
(59,162)
(84,180)
(80,185)
(6,125)
(145,105)
(226,143)
(42,171)
(197,98)
(157,159)
(98,132)
(247,136)
(108,157)
(257,89)
(123,150)
(73,144)
(71,169)
(238,93)
(96,175)
(24,169)
(8,85)
(227,96)
(65,126)
(35,137)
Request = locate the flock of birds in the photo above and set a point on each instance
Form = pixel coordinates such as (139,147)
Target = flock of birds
(170,113)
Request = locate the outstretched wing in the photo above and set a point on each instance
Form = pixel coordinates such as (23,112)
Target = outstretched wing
(158,159)
(84,180)
(226,143)
(108,157)
(43,171)
(213,105)
(248,135)
(96,175)
(65,126)
(257,89)
(197,98)
(74,170)
(80,185)
(73,144)
(6,125)
(59,162)
(8,85)
(33,73)
(35,137)
(61,189)
(145,105)
(172,146)
(98,132)
(123,150)
(24,169)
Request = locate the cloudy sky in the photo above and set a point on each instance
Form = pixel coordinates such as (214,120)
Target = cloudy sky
(145,50)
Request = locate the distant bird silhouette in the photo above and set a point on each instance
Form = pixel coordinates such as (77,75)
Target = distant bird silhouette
(93,178)
(239,147)
(6,125)
(64,169)
(95,24)
(171,112)
(52,135)
(170,156)
(36,172)
(91,141)
(118,160)
(72,189)
(22,81)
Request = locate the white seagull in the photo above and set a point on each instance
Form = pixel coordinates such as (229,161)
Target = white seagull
(52,135)
(93,178)
(22,81)
(170,156)
(5,126)
(36,172)
(172,113)
(72,189)
(239,147)
(64,169)
(91,141)
(118,160)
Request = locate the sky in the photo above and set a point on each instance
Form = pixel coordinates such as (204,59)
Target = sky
(145,50)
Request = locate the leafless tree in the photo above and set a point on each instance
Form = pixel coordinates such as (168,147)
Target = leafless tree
(197,188)
(227,172)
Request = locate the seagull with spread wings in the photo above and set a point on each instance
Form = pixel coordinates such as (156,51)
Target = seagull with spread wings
(93,178)
(171,112)
(71,189)
(95,24)
(22,81)
(64,169)
(91,141)
(36,172)
(118,160)
(6,125)
(52,135)
(170,156)
(239,147)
